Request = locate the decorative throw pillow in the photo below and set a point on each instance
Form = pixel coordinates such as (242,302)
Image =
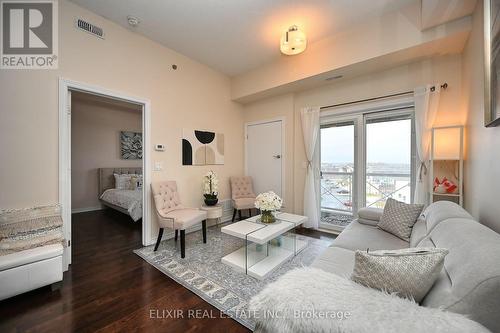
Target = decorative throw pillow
(123,181)
(398,218)
(408,272)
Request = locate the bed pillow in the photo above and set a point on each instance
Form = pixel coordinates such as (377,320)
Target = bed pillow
(398,218)
(136,182)
(408,272)
(123,181)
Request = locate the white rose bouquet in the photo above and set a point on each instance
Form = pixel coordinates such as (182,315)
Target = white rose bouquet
(210,188)
(267,203)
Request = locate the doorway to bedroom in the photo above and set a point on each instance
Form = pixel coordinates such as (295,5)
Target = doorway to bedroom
(103,171)
(106,171)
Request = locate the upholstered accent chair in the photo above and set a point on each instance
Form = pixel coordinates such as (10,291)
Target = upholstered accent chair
(173,215)
(242,195)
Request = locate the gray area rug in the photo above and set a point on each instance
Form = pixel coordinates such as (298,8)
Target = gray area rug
(203,273)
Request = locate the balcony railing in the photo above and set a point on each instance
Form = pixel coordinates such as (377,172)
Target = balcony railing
(337,187)
(336,191)
(381,186)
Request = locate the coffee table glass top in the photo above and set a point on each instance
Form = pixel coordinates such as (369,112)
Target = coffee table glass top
(267,245)
(253,230)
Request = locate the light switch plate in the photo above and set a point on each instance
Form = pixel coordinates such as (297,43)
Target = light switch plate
(158,166)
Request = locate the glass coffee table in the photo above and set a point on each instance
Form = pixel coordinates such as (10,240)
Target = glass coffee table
(266,245)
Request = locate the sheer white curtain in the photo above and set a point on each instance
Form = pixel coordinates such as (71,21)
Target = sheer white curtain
(426,106)
(309,117)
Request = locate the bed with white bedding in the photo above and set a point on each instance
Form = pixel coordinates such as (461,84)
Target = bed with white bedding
(127,201)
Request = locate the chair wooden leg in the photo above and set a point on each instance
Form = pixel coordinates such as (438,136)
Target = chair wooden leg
(183,243)
(160,234)
(176,234)
(234,214)
(239,215)
(204,228)
(249,212)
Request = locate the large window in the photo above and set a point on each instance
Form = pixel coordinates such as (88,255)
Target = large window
(365,159)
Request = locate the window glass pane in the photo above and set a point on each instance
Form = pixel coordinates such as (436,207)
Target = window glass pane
(388,161)
(337,167)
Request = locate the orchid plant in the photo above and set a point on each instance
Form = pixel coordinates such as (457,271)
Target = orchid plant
(210,185)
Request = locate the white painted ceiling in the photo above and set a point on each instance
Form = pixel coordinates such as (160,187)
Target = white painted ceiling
(234,36)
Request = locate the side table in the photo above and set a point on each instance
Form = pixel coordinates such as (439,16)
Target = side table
(213,212)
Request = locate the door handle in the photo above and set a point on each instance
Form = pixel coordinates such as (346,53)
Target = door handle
(277,156)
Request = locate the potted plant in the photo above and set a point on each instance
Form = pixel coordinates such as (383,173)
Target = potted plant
(268,202)
(211,188)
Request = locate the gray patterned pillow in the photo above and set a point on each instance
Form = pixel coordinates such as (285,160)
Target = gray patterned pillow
(408,272)
(398,218)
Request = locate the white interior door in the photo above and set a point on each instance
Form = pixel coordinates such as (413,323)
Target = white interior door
(264,156)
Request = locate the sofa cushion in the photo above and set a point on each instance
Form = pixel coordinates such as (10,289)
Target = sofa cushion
(30,256)
(370,213)
(399,217)
(471,284)
(418,232)
(357,236)
(336,260)
(373,223)
(442,210)
(409,273)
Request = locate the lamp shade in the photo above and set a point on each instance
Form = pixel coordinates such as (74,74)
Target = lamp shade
(447,143)
(293,41)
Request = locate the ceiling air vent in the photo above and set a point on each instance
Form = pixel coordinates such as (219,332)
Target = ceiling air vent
(90,28)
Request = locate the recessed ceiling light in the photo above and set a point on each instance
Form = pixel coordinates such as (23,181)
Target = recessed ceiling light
(133,21)
(334,77)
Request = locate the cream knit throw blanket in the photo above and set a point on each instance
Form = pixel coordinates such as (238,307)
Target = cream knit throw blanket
(23,229)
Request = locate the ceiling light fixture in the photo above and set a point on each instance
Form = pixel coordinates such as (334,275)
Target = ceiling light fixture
(293,41)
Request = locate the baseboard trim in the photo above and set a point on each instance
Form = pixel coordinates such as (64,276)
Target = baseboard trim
(86,209)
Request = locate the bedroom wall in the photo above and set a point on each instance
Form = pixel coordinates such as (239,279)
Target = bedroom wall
(482,163)
(95,143)
(193,96)
(403,78)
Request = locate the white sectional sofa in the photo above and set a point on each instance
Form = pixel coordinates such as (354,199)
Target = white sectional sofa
(30,269)
(469,283)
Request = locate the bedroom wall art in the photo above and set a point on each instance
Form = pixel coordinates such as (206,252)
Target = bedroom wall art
(202,147)
(131,145)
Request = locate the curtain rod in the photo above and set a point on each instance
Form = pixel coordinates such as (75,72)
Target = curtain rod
(433,88)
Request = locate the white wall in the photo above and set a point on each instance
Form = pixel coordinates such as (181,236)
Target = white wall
(95,143)
(482,164)
(193,96)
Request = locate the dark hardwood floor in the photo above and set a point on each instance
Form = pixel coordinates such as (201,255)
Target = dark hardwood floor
(110,289)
